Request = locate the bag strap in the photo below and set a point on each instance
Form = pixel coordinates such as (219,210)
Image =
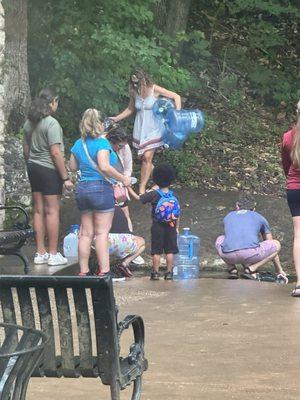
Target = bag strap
(93,164)
(164,194)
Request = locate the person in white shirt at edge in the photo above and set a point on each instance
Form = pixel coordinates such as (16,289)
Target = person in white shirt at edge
(119,141)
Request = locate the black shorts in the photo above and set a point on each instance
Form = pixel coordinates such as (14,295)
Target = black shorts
(293,199)
(163,238)
(44,180)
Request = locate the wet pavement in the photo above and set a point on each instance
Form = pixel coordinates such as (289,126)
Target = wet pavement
(208,339)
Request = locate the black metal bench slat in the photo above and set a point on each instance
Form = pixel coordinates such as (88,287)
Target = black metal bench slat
(65,328)
(26,308)
(106,335)
(8,311)
(8,236)
(87,361)
(48,366)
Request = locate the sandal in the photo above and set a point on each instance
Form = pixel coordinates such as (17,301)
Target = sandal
(233,273)
(89,273)
(296,291)
(125,270)
(103,274)
(248,274)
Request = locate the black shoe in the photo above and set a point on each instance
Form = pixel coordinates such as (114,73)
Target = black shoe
(154,276)
(169,276)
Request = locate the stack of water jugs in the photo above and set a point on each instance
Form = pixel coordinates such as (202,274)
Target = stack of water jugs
(71,243)
(187,261)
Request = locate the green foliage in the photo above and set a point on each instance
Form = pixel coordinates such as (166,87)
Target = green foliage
(91,49)
(235,59)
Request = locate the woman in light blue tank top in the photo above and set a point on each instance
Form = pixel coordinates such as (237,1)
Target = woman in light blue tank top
(147,130)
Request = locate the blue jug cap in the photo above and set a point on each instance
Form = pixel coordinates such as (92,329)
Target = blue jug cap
(75,227)
(186,231)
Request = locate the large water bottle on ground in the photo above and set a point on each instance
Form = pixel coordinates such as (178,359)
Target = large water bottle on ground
(71,242)
(187,261)
(185,121)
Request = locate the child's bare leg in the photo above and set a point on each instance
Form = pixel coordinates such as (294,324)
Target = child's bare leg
(156,262)
(170,262)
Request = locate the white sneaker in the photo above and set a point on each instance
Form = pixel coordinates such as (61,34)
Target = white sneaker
(57,259)
(138,261)
(41,258)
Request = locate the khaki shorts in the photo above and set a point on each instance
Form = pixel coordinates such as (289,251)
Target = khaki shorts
(246,256)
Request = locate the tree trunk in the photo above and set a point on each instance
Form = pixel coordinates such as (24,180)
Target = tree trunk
(2,118)
(171,15)
(16,81)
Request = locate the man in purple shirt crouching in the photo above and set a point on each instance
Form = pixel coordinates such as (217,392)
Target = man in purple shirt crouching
(241,243)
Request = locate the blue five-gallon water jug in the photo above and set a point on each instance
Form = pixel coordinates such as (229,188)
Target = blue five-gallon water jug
(186,121)
(162,105)
(174,140)
(71,242)
(187,261)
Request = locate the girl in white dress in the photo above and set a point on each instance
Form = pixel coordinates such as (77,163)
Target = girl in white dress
(147,130)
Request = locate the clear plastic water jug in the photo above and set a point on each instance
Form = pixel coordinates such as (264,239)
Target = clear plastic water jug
(187,261)
(71,243)
(185,121)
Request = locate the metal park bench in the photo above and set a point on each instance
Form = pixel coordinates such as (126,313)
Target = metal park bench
(79,316)
(12,240)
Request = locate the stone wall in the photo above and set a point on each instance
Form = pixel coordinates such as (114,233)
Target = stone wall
(2,119)
(17,187)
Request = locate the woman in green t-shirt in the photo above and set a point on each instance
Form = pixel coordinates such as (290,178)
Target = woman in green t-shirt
(43,150)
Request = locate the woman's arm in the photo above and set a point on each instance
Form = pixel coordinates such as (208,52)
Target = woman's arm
(126,157)
(285,156)
(59,163)
(26,151)
(171,95)
(108,171)
(126,113)
(73,164)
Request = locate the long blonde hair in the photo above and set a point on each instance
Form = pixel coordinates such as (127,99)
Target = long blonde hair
(295,153)
(91,124)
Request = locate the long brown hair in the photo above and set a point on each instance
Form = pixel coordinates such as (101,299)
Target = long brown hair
(138,78)
(40,107)
(295,153)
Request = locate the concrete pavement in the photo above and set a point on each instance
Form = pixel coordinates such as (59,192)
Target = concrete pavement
(207,339)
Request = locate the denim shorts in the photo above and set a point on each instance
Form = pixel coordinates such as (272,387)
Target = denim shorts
(95,196)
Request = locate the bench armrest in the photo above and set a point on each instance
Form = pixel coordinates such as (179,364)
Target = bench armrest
(137,348)
(2,207)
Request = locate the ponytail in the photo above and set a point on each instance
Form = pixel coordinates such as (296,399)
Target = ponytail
(295,153)
(40,107)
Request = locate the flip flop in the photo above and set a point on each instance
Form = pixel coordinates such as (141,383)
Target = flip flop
(296,291)
(233,273)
